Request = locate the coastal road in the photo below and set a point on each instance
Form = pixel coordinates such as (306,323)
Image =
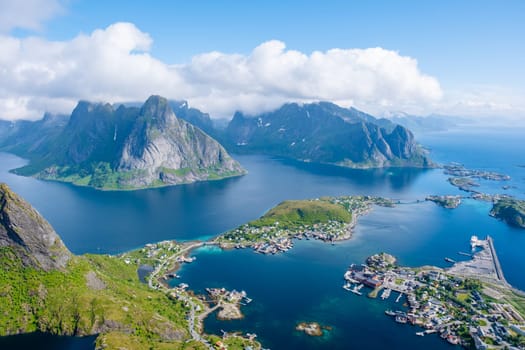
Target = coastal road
(193,320)
(154,275)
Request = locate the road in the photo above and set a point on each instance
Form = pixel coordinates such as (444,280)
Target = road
(193,319)
(154,275)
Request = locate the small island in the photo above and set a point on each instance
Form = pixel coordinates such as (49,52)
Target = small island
(511,210)
(328,219)
(449,202)
(312,329)
(464,183)
(459,170)
(464,178)
(229,302)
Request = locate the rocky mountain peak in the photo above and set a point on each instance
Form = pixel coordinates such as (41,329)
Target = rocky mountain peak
(30,236)
(157,109)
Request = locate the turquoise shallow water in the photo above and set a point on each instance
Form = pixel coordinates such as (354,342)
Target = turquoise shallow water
(305,283)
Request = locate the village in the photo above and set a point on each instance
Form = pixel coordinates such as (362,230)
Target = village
(163,259)
(453,303)
(276,237)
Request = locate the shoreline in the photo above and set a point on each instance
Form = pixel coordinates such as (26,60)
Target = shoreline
(474,288)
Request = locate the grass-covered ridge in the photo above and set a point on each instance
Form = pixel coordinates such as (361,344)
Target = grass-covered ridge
(328,219)
(94,294)
(303,212)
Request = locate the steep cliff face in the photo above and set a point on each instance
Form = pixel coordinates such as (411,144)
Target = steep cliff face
(130,148)
(29,234)
(326,133)
(162,147)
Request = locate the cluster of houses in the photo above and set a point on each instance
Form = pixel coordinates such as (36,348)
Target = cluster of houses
(275,239)
(440,303)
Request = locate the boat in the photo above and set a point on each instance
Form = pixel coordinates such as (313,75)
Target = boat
(401,319)
(355,290)
(390,313)
(421,334)
(450,260)
(386,293)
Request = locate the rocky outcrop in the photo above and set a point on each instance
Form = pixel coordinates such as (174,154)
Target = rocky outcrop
(326,133)
(29,234)
(510,210)
(163,147)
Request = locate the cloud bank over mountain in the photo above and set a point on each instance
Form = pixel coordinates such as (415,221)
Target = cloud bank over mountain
(115,64)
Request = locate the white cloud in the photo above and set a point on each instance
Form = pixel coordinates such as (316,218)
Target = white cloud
(484,102)
(27,14)
(271,73)
(115,64)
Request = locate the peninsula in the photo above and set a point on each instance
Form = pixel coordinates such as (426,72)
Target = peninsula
(469,304)
(328,219)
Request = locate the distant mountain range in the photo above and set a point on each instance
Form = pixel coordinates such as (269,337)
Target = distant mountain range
(325,133)
(123,148)
(162,142)
(433,122)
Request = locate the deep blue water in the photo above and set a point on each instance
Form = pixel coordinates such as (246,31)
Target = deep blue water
(305,283)
(109,222)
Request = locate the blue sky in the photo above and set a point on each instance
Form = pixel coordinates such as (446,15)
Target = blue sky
(474,49)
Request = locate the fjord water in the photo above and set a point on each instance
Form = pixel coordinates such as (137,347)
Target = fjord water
(305,283)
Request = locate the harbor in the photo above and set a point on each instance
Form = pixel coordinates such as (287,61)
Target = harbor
(438,299)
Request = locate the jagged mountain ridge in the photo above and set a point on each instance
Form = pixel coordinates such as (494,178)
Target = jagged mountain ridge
(326,133)
(26,137)
(130,148)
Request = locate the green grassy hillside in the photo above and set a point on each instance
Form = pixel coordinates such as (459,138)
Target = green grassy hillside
(94,294)
(303,212)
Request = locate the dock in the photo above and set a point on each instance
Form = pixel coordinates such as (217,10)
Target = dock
(386,293)
(497,266)
(399,297)
(465,254)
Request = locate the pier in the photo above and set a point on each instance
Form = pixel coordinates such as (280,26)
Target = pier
(465,254)
(399,297)
(497,266)
(484,265)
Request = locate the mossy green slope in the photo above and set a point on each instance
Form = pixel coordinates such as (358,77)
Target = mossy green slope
(94,294)
(81,295)
(303,212)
